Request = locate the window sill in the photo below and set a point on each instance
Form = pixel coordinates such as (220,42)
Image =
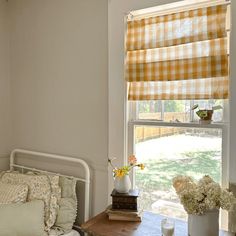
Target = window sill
(213,125)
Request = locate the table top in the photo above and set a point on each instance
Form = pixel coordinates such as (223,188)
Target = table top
(100,225)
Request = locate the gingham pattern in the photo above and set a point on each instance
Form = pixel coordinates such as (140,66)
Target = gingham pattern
(179,28)
(214,47)
(178,56)
(194,68)
(216,88)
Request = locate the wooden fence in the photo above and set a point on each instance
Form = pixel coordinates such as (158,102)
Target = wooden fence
(143,133)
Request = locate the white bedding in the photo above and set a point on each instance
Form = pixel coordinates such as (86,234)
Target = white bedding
(72,233)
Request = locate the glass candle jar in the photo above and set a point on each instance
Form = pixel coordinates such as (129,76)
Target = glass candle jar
(167,227)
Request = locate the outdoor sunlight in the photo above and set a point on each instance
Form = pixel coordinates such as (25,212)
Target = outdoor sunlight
(174,151)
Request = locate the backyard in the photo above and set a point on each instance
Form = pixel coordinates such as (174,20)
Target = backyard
(192,152)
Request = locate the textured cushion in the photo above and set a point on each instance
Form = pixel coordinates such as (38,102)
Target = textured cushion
(22,219)
(41,187)
(13,193)
(67,206)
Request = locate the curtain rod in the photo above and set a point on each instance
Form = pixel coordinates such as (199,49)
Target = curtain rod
(170,9)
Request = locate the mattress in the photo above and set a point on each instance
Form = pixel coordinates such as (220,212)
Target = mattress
(72,233)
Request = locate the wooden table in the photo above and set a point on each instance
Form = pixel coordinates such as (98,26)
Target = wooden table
(150,226)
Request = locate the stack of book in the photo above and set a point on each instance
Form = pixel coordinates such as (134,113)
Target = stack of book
(124,206)
(125,215)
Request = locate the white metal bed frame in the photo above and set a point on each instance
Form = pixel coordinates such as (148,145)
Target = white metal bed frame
(81,162)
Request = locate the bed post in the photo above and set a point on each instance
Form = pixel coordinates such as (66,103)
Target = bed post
(12,157)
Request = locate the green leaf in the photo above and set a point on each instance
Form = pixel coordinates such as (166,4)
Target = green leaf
(194,107)
(202,113)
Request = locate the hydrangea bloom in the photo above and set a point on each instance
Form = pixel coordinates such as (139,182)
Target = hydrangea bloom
(204,195)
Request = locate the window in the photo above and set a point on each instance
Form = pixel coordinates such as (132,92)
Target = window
(185,63)
(175,110)
(171,151)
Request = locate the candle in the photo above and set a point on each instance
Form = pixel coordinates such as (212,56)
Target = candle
(167,227)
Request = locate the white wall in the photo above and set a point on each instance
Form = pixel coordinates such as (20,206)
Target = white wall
(59,81)
(5,110)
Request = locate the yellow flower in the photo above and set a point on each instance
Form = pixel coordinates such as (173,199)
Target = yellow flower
(119,172)
(142,166)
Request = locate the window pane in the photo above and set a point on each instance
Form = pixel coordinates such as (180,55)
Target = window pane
(149,110)
(168,152)
(173,110)
(177,110)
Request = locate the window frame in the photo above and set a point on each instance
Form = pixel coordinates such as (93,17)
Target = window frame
(134,110)
(132,121)
(223,126)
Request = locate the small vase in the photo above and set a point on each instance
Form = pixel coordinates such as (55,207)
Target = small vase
(208,118)
(122,184)
(205,122)
(204,225)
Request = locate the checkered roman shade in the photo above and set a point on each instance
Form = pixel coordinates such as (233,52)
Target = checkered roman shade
(178,56)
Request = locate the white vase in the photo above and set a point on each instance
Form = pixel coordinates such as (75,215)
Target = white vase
(204,225)
(122,184)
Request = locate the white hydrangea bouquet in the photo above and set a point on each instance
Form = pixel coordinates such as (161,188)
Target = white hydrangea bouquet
(202,196)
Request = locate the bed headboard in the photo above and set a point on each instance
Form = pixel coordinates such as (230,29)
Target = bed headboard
(70,160)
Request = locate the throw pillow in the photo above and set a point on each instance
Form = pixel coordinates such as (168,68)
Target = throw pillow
(41,187)
(67,206)
(13,193)
(22,219)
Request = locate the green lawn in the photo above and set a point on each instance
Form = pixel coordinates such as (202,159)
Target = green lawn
(155,181)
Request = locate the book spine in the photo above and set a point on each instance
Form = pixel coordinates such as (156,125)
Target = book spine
(125,200)
(124,206)
(123,212)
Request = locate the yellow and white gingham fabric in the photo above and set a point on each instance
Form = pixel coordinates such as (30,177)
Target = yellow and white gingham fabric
(178,56)
(216,88)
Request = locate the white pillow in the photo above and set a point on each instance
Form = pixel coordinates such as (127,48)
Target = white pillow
(41,187)
(22,219)
(67,206)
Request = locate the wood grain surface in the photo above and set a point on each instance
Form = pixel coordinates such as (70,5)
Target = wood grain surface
(150,226)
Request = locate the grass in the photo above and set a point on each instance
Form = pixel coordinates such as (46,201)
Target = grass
(156,180)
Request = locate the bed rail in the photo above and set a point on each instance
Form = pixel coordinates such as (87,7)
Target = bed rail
(86,179)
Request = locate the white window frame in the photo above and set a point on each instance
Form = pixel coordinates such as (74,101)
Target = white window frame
(223,126)
(132,121)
